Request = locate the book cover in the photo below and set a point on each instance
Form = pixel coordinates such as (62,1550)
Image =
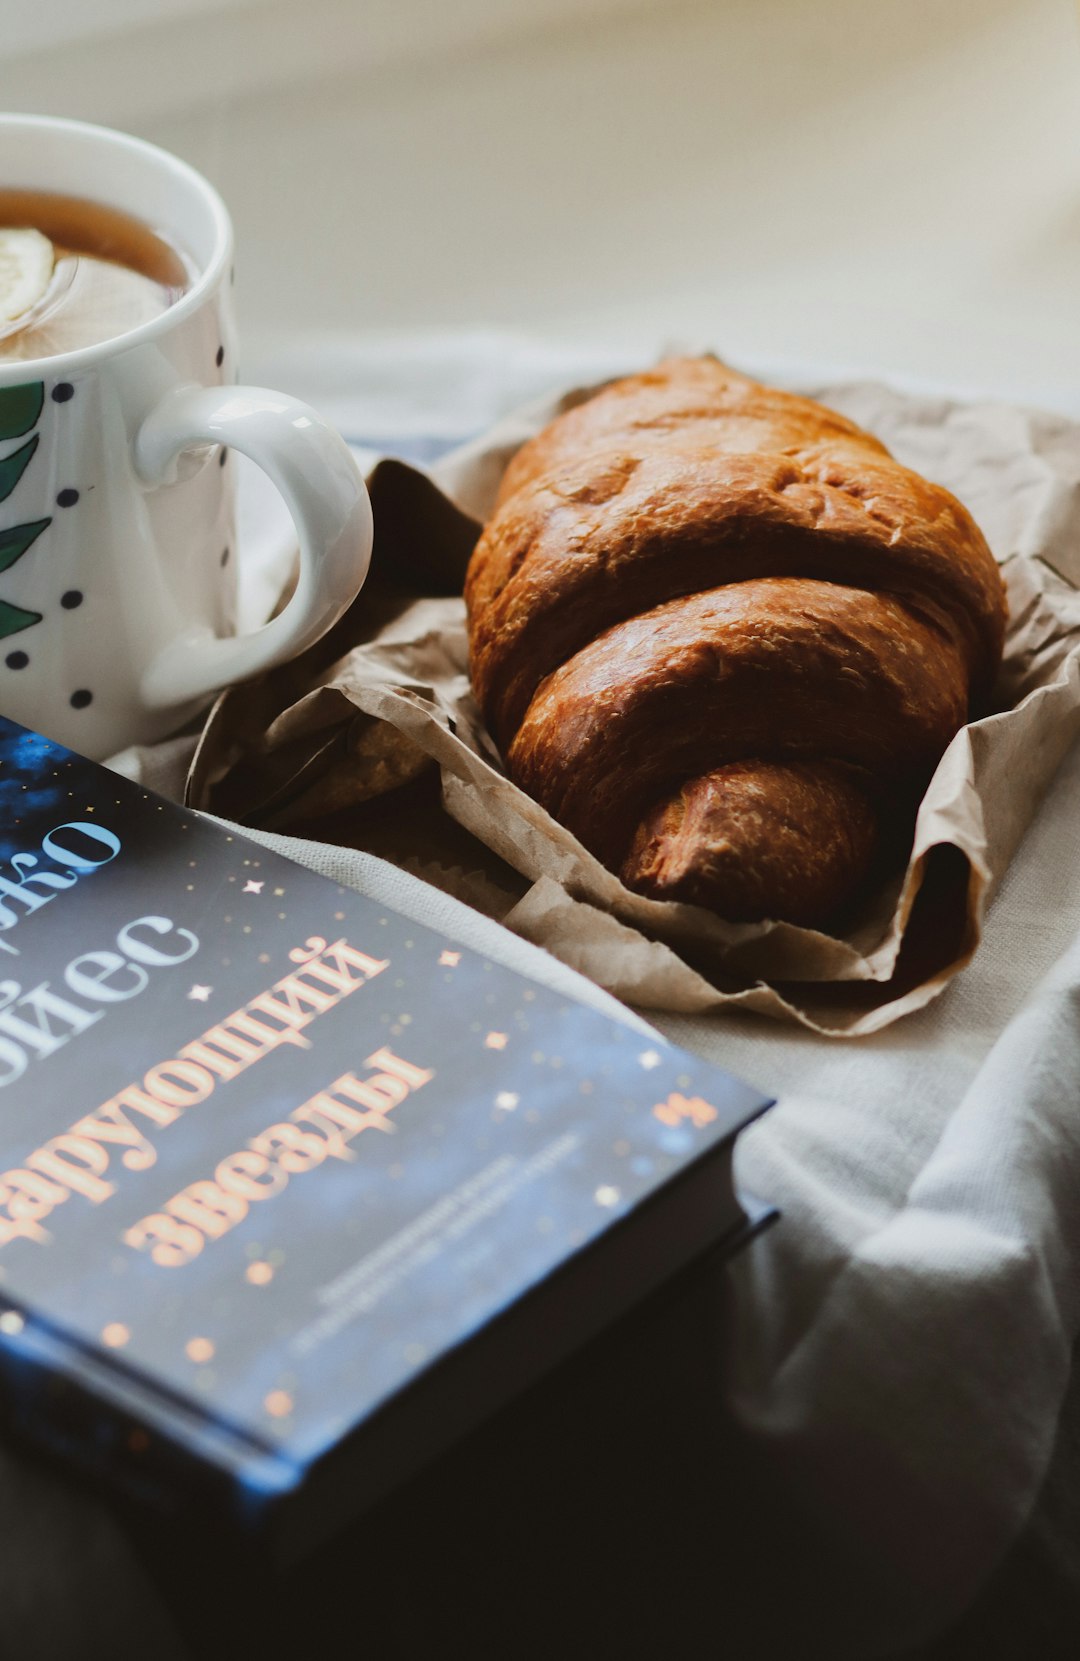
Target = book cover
(294,1190)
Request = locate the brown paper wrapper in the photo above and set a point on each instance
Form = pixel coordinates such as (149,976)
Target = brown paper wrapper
(373,738)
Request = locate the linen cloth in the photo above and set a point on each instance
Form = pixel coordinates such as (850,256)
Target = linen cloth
(900,1343)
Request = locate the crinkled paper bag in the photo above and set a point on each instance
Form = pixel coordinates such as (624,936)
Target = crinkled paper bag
(385,698)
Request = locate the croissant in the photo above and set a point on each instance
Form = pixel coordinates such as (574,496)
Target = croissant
(722,636)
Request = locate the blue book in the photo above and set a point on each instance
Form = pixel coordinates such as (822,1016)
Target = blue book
(295,1191)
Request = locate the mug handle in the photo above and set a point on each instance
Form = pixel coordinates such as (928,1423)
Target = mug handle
(324,491)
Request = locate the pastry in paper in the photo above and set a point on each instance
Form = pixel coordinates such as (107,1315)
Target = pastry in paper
(724,638)
(399,659)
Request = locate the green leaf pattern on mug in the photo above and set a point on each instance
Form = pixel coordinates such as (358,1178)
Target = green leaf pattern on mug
(20,410)
(14,466)
(15,541)
(13,619)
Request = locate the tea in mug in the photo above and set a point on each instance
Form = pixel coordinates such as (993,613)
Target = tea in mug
(74,273)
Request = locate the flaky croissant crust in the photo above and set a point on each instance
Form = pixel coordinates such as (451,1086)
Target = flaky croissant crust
(690,571)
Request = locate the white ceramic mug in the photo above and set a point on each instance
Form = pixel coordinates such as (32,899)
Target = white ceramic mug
(117,547)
